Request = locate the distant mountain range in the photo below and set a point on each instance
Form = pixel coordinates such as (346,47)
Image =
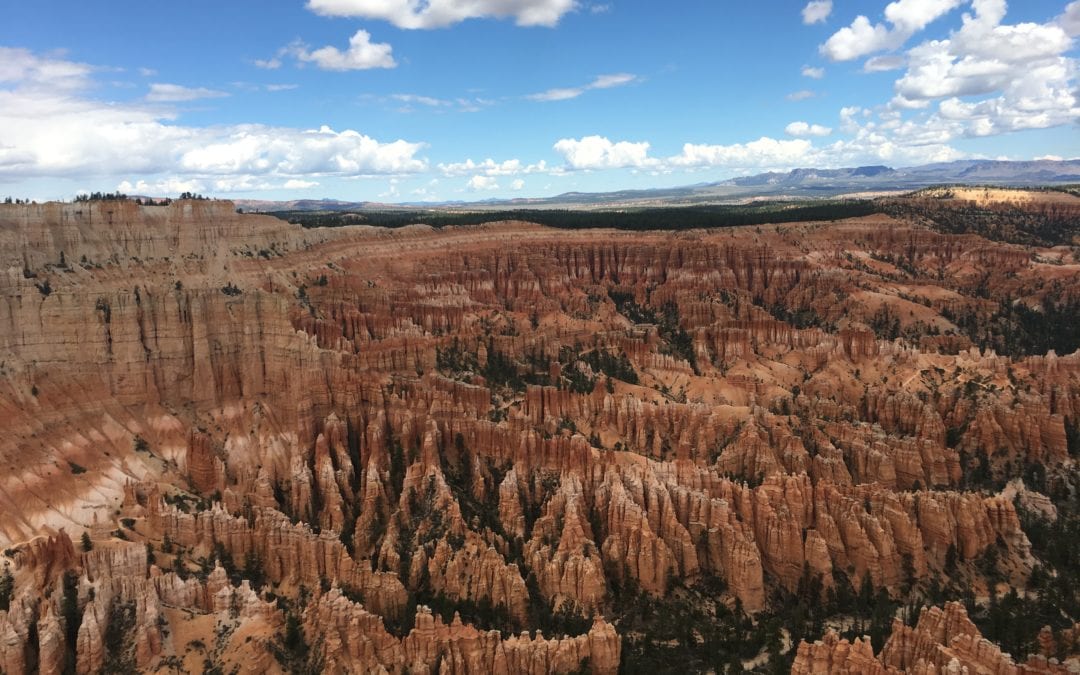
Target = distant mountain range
(965,171)
(798,183)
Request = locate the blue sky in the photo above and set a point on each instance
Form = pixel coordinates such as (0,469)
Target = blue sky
(404,100)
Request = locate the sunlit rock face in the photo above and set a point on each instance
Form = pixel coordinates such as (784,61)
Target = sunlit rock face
(284,445)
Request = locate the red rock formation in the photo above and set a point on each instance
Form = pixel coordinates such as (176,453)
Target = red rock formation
(424,414)
(355,641)
(943,641)
(562,552)
(834,655)
(14,638)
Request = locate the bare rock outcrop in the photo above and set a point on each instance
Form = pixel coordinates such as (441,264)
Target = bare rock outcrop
(942,641)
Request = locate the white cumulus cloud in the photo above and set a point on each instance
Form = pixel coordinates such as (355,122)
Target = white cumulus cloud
(412,14)
(160,187)
(859,39)
(1023,67)
(362,54)
(871,141)
(597,152)
(1070,19)
(482,183)
(30,71)
(906,17)
(813,73)
(490,167)
(802,129)
(253,148)
(816,11)
(49,126)
(763,153)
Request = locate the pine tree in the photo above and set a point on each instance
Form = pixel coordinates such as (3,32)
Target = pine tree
(7,588)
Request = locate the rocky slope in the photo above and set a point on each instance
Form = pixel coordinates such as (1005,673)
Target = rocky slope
(941,641)
(487,449)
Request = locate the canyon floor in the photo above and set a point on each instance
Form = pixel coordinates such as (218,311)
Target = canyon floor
(235,445)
